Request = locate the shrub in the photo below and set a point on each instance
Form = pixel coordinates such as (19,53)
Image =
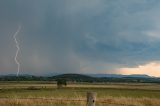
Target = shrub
(61,83)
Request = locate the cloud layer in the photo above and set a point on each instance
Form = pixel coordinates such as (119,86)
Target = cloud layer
(81,36)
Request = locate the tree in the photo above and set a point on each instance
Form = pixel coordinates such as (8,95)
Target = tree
(61,83)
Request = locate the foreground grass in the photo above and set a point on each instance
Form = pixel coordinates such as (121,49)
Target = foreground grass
(71,92)
(46,94)
(80,101)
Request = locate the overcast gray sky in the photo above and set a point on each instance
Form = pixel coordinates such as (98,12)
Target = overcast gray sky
(80,36)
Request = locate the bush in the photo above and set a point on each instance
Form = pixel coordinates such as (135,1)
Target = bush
(61,83)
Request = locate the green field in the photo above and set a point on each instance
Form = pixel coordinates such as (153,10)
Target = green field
(21,91)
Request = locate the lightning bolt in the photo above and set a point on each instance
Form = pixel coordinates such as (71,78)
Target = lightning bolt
(18,48)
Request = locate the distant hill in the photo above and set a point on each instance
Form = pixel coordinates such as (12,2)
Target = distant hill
(119,75)
(106,78)
(74,77)
(85,78)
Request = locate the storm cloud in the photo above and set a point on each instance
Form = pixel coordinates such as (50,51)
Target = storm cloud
(79,36)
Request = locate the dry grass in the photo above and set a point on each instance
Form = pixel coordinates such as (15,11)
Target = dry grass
(79,101)
(147,86)
(46,94)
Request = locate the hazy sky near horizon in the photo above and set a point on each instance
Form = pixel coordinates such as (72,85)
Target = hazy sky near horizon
(81,36)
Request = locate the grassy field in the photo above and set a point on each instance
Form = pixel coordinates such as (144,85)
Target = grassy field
(47,94)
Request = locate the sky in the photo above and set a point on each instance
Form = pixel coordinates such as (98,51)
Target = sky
(80,36)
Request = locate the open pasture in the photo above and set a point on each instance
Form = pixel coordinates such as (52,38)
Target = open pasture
(46,94)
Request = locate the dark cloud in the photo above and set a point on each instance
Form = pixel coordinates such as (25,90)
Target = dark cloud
(79,35)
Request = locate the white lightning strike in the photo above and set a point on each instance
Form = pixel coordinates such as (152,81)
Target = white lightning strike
(18,48)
